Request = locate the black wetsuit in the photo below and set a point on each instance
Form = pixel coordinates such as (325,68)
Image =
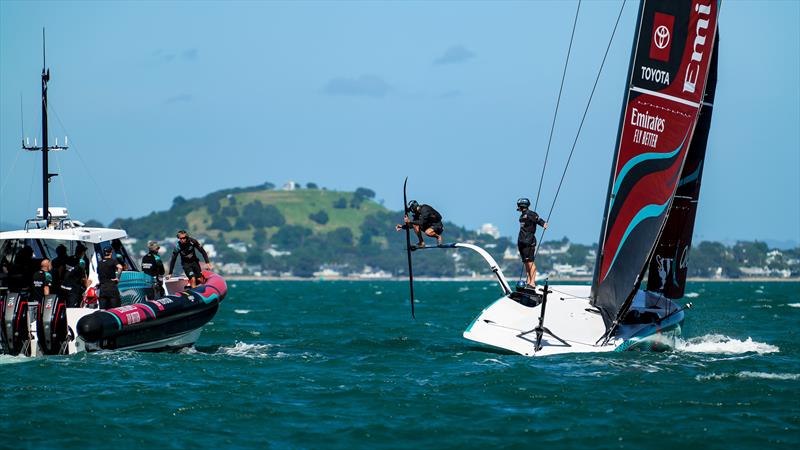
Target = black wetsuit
(427,217)
(59,269)
(153,266)
(189,261)
(526,241)
(72,286)
(109,294)
(41,279)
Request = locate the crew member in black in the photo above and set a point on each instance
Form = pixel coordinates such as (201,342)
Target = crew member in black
(425,219)
(79,259)
(72,285)
(59,265)
(191,265)
(42,281)
(116,244)
(152,265)
(108,274)
(526,241)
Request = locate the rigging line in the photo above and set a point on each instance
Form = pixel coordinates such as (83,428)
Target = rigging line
(558,102)
(10,173)
(85,166)
(580,127)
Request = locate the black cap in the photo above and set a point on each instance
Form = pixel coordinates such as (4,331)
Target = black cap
(108,250)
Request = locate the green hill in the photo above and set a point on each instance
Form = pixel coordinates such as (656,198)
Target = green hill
(302,230)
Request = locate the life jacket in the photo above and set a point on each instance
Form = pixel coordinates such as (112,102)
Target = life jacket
(90,297)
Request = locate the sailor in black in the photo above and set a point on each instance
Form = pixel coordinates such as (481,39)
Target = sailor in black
(116,244)
(72,285)
(425,219)
(152,265)
(59,265)
(191,265)
(42,282)
(108,274)
(526,241)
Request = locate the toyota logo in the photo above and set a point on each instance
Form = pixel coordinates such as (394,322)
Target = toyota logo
(661,37)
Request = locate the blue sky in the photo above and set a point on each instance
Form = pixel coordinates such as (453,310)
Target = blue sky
(184,98)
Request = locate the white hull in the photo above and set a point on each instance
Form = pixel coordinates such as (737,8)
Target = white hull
(509,325)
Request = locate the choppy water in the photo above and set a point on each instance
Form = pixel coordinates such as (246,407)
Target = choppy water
(342,365)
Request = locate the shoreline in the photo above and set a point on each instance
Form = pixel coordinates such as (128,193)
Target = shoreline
(488,278)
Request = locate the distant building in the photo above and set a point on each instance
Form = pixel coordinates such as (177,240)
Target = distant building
(327,273)
(290,186)
(510,254)
(239,247)
(490,229)
(276,253)
(553,248)
(372,274)
(232,269)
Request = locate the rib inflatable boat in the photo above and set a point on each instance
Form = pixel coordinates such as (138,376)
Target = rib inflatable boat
(166,323)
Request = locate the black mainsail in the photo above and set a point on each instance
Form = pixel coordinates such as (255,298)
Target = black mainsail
(668,72)
(668,266)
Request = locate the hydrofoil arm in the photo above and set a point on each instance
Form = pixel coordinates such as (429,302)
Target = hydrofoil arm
(486,256)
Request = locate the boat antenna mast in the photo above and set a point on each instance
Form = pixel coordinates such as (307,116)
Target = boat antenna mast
(46,175)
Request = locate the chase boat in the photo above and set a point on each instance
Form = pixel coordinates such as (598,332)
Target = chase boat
(49,327)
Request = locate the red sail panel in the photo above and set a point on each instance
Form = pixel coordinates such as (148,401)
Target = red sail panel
(668,73)
(669,265)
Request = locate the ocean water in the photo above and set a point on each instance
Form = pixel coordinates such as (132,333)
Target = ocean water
(343,365)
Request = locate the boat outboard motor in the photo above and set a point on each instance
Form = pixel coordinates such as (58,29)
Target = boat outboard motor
(16,328)
(51,326)
(3,292)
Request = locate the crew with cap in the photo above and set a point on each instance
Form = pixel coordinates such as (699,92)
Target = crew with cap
(108,274)
(153,266)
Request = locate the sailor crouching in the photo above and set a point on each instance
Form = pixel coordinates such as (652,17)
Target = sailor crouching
(425,220)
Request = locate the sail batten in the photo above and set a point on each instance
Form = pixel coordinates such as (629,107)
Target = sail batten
(669,67)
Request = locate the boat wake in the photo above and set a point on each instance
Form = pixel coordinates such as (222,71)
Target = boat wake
(245,350)
(750,375)
(717,343)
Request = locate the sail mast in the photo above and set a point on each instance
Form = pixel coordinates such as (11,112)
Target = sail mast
(45,165)
(45,148)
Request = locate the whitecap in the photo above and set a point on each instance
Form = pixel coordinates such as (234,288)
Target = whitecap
(463,289)
(749,374)
(794,305)
(378,292)
(759,291)
(241,311)
(769,376)
(245,350)
(692,295)
(717,343)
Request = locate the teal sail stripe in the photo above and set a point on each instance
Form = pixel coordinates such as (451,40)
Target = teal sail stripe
(691,177)
(639,159)
(644,213)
